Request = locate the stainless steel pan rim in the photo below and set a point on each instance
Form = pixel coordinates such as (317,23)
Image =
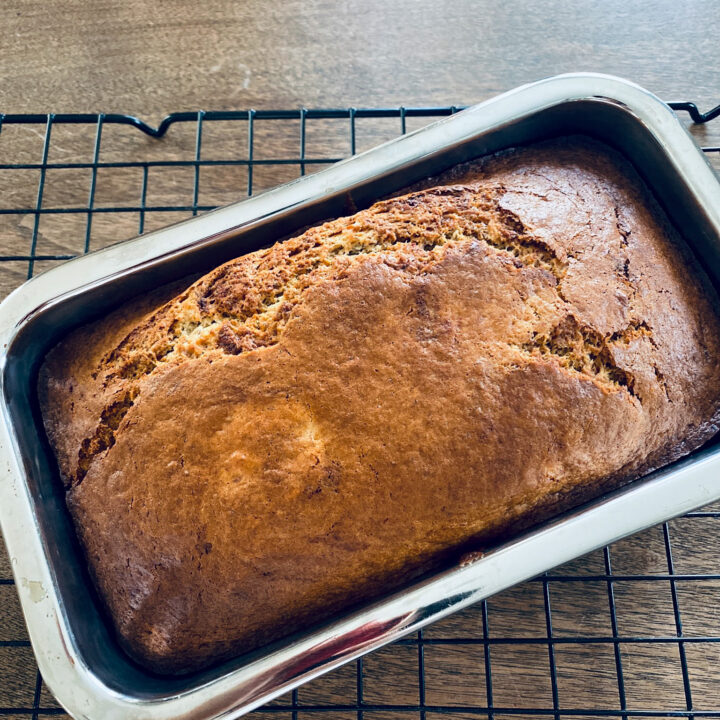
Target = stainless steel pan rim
(670,162)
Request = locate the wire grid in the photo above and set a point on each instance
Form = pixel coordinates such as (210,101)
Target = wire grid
(632,630)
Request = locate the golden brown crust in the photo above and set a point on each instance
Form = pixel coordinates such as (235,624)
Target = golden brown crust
(312,425)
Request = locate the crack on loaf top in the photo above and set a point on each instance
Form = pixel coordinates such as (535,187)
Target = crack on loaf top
(246,303)
(582,349)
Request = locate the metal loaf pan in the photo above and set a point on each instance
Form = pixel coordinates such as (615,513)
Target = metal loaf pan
(76,652)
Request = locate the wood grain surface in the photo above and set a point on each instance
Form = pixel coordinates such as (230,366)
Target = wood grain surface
(149,59)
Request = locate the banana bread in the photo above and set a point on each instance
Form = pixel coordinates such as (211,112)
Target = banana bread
(313,425)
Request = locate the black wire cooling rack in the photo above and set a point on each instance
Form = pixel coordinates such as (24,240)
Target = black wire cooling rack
(632,630)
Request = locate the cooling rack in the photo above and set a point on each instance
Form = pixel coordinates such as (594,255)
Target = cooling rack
(632,630)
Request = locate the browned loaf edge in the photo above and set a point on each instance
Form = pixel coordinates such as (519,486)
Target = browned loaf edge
(310,426)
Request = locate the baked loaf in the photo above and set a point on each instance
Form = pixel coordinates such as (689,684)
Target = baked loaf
(312,425)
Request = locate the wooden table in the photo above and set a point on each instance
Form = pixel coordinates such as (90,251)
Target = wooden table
(150,59)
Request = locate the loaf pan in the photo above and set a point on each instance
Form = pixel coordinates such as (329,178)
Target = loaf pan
(75,648)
